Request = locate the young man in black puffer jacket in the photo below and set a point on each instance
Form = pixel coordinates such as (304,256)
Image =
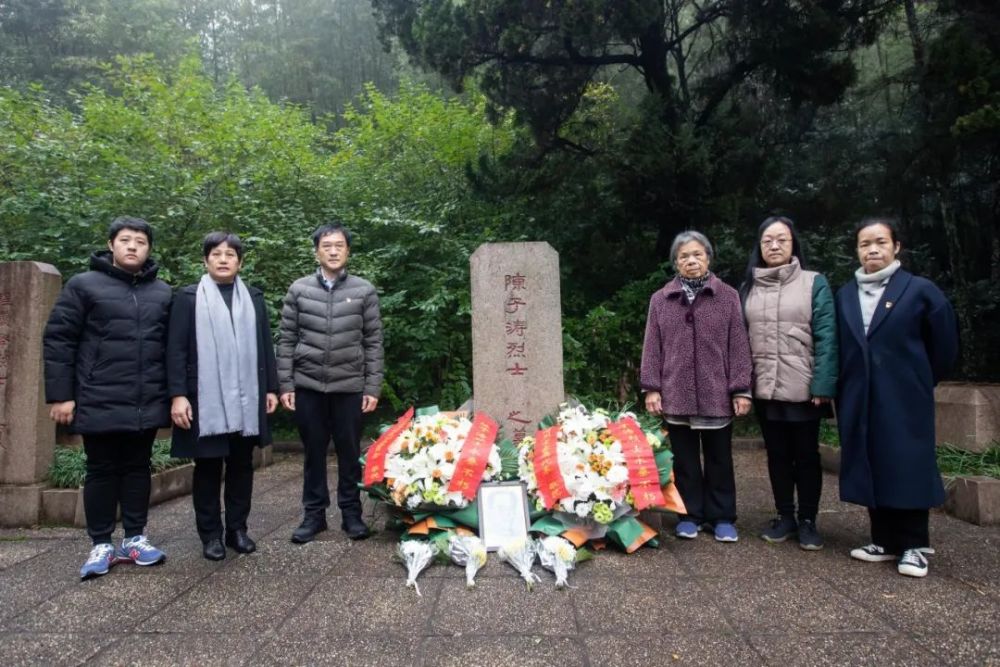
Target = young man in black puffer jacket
(105,377)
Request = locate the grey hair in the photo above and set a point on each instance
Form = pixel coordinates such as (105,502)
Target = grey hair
(685,237)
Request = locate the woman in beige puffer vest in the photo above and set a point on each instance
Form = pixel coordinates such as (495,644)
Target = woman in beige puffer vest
(792,325)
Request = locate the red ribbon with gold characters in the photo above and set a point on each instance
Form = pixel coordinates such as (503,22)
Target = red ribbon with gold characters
(643,476)
(551,486)
(375,459)
(474,457)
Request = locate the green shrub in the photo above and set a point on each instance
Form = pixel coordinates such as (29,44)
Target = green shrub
(955,461)
(69,465)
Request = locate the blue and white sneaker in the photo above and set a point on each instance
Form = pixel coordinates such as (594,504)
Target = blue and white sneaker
(138,550)
(725,532)
(100,560)
(686,529)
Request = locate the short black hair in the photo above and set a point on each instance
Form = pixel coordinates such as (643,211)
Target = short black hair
(215,239)
(887,220)
(328,228)
(128,222)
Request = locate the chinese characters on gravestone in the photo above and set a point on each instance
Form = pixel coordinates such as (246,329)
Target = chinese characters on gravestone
(516,334)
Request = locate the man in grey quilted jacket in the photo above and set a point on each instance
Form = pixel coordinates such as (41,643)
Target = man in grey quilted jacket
(330,364)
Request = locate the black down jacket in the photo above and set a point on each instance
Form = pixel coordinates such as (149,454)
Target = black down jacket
(104,348)
(330,340)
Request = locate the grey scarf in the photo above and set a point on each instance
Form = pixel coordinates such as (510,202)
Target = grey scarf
(870,289)
(228,393)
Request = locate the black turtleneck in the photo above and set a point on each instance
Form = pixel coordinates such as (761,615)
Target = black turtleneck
(227,294)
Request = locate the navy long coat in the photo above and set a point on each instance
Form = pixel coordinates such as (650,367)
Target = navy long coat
(885,398)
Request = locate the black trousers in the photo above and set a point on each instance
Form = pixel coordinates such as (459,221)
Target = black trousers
(793,465)
(897,530)
(709,494)
(321,417)
(117,476)
(207,483)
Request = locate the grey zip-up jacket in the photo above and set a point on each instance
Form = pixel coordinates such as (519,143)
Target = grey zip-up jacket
(330,340)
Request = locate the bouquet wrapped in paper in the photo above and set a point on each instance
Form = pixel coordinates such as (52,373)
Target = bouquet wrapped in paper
(429,465)
(593,472)
(469,552)
(520,553)
(416,556)
(558,556)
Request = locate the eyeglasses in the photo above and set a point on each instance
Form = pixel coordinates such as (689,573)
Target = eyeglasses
(767,242)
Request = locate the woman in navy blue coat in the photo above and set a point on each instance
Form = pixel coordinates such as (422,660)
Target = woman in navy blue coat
(898,337)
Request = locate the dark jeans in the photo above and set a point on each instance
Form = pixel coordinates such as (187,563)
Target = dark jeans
(207,483)
(710,494)
(321,417)
(117,475)
(793,465)
(897,530)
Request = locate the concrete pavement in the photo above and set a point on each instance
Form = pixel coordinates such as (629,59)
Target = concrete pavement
(339,602)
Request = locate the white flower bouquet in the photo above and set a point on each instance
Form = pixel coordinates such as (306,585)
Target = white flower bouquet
(422,467)
(593,471)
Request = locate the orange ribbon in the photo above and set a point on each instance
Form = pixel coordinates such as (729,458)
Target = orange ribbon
(643,476)
(375,459)
(474,457)
(551,486)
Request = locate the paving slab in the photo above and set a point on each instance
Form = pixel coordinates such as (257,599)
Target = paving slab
(837,649)
(167,649)
(50,648)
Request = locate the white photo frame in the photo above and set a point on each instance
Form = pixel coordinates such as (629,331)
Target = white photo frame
(503,513)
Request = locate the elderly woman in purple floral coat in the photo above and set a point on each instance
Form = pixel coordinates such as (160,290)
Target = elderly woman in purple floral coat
(696,372)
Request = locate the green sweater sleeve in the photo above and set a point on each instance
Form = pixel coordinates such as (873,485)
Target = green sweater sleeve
(824,330)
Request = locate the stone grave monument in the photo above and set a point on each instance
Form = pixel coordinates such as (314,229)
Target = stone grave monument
(517,362)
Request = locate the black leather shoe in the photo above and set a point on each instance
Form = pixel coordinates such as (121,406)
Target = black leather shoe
(308,530)
(214,550)
(355,528)
(240,542)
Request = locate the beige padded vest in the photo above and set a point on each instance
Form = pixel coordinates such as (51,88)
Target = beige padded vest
(779,318)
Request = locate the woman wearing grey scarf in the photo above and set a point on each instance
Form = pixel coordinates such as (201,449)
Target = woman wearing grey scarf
(898,337)
(223,382)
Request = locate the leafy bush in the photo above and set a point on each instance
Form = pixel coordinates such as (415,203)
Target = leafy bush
(69,465)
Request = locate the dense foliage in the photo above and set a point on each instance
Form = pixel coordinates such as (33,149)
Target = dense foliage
(602,128)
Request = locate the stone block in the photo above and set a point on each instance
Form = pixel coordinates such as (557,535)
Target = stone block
(829,458)
(263,456)
(27,435)
(63,507)
(171,483)
(967,415)
(20,505)
(974,499)
(517,354)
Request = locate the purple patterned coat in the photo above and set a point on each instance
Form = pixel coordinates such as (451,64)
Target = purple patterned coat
(696,356)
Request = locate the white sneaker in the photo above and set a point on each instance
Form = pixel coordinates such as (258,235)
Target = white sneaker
(872,553)
(912,563)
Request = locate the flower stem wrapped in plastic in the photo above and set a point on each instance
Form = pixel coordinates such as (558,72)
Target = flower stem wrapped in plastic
(520,553)
(469,551)
(557,555)
(416,555)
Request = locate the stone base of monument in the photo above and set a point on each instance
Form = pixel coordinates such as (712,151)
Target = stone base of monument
(36,504)
(974,499)
(967,416)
